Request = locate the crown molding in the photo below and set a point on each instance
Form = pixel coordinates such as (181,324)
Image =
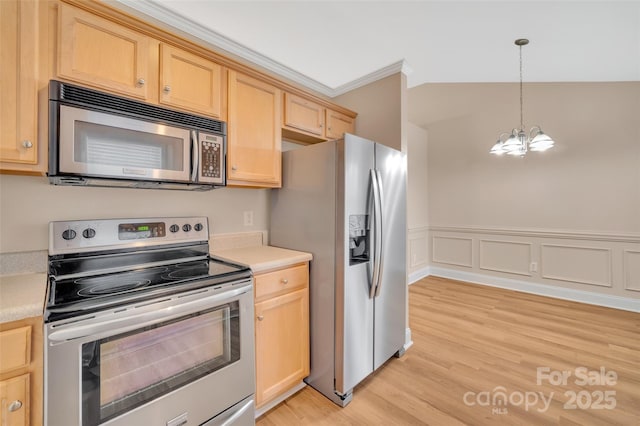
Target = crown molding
(146,9)
(394,68)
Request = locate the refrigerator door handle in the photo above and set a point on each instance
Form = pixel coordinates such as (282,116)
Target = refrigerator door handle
(379,231)
(377,234)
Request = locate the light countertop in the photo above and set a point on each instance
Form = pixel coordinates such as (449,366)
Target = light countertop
(22,296)
(263,258)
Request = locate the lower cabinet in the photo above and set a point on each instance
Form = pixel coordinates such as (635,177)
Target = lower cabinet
(282,331)
(14,394)
(21,372)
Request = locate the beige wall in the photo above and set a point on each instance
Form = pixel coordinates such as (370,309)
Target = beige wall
(417,193)
(568,218)
(382,109)
(417,198)
(589,182)
(28,204)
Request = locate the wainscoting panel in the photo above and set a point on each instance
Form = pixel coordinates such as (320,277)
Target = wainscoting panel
(512,257)
(453,251)
(632,270)
(418,248)
(583,265)
(563,263)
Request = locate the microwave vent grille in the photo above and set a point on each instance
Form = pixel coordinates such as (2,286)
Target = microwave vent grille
(92,98)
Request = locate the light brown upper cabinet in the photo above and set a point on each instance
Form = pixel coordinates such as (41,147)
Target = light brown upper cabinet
(103,54)
(254,151)
(303,114)
(190,82)
(310,122)
(338,124)
(100,53)
(18,81)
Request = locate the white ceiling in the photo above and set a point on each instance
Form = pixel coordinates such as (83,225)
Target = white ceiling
(332,45)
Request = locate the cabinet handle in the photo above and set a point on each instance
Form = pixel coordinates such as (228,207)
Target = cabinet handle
(260,317)
(167,88)
(234,168)
(284,281)
(27,144)
(141,82)
(329,128)
(15,406)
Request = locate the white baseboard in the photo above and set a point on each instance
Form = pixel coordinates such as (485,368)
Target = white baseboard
(592,298)
(419,274)
(407,339)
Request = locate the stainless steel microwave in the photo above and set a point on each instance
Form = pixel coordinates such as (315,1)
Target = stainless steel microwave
(98,139)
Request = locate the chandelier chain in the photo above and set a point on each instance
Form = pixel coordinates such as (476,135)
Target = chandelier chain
(521,102)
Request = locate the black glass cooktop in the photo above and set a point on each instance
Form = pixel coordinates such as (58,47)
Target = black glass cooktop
(77,295)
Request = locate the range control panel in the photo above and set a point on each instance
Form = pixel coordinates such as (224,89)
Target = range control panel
(211,168)
(77,236)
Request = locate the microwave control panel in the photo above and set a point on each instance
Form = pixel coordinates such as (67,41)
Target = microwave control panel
(211,169)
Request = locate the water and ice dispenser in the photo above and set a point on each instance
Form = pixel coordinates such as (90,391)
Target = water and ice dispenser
(358,238)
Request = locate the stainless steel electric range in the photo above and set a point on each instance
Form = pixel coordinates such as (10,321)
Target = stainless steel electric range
(143,327)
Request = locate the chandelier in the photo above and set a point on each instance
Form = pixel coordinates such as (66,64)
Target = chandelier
(519,141)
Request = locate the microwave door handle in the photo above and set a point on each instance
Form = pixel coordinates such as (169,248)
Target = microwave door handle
(195,156)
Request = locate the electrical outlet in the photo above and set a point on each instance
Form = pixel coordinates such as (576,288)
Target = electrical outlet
(533,267)
(248,218)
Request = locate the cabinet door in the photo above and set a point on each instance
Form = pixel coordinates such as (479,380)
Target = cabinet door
(254,153)
(17,348)
(338,124)
(302,114)
(14,397)
(100,53)
(282,344)
(18,81)
(190,82)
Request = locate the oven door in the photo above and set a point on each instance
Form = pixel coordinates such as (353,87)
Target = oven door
(178,360)
(92,143)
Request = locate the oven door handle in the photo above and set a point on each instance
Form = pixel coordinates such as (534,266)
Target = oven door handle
(132,322)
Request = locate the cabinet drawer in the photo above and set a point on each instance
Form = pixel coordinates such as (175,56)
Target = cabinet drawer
(281,281)
(14,395)
(16,348)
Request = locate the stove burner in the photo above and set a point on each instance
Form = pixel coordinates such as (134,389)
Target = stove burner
(107,285)
(181,274)
(118,283)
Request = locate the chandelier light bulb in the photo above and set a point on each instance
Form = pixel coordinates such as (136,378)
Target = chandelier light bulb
(519,142)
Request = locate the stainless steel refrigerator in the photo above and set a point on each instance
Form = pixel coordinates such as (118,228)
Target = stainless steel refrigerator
(344,201)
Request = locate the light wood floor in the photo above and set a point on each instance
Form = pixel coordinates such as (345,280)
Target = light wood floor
(470,339)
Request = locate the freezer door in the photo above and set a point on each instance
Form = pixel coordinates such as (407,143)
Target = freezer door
(390,304)
(354,307)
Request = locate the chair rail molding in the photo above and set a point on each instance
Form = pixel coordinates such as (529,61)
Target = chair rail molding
(542,233)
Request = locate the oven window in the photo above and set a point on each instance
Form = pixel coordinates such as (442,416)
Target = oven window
(114,146)
(122,372)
